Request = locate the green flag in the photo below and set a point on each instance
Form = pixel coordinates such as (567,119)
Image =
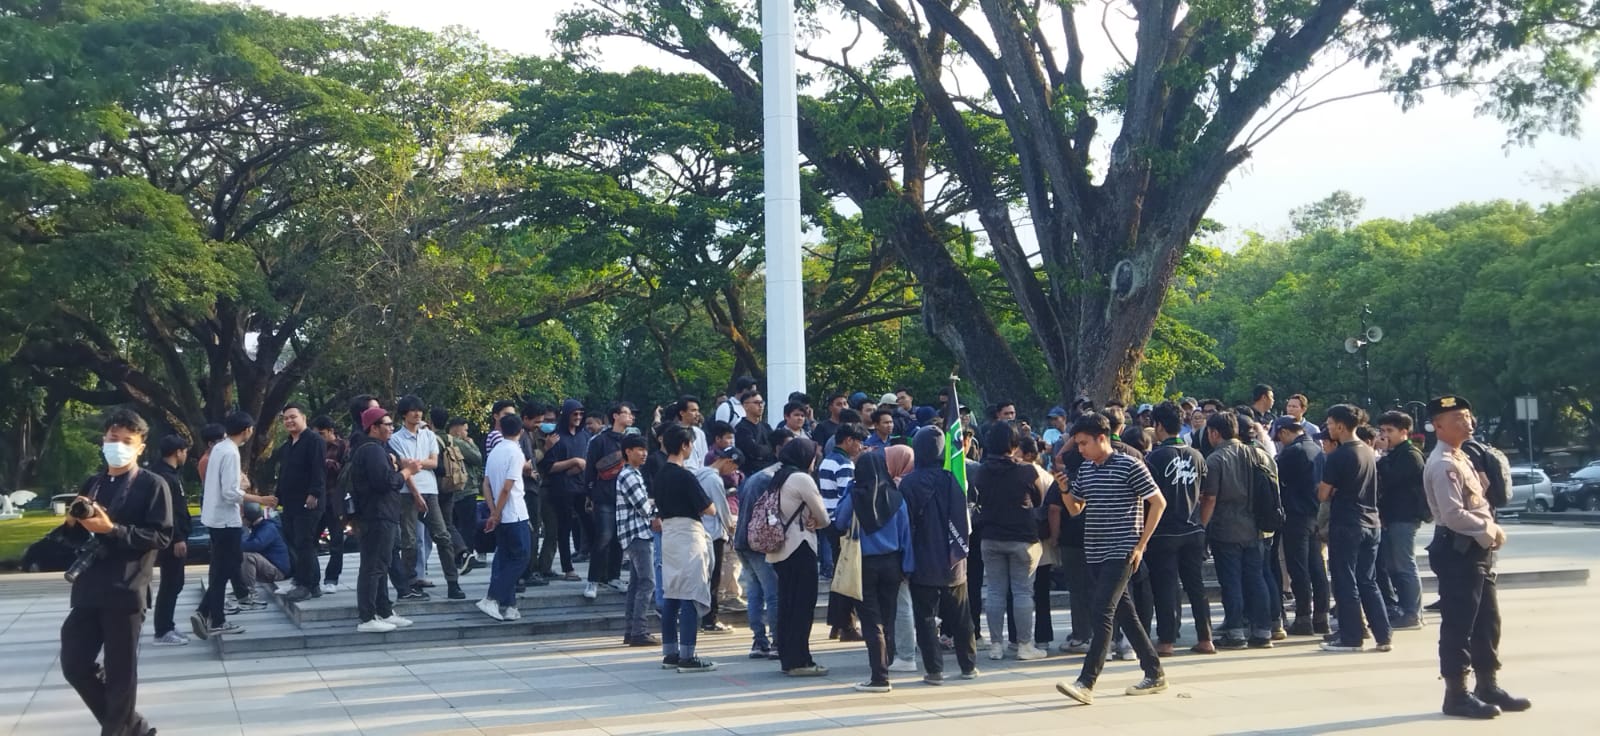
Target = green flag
(955,460)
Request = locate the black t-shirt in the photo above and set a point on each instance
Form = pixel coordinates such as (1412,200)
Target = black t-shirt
(1178,470)
(678,493)
(1352,470)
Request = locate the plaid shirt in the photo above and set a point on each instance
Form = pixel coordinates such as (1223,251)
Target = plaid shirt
(634,507)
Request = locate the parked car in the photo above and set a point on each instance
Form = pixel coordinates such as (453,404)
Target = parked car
(1581,490)
(1528,486)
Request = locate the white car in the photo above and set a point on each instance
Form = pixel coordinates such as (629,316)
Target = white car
(1531,489)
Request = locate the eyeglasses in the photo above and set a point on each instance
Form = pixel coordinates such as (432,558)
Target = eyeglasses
(386,424)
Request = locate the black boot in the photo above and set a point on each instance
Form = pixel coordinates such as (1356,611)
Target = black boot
(1489,692)
(1319,624)
(1462,704)
(456,593)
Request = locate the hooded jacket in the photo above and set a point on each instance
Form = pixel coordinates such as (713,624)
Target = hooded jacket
(573,443)
(938,509)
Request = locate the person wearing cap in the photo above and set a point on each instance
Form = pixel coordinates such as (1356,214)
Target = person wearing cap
(862,404)
(378,486)
(1299,472)
(900,407)
(224,493)
(266,555)
(1462,556)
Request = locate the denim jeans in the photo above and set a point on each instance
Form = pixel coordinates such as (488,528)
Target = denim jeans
(1398,551)
(512,544)
(1244,590)
(1353,564)
(1011,566)
(760,582)
(680,627)
(905,627)
(640,586)
(1308,573)
(661,593)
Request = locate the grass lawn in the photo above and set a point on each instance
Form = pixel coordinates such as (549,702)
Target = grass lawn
(17,534)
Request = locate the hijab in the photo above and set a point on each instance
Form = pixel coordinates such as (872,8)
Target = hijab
(873,494)
(796,456)
(899,459)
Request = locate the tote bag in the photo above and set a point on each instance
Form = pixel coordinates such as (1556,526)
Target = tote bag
(847,571)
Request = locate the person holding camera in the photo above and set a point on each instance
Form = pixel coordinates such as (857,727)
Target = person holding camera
(120,520)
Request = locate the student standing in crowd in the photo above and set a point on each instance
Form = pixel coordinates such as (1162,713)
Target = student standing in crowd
(220,512)
(1178,546)
(1403,508)
(378,480)
(1009,493)
(635,511)
(333,506)
(508,521)
(301,489)
(875,507)
(802,513)
(1350,486)
(174,455)
(939,543)
(686,556)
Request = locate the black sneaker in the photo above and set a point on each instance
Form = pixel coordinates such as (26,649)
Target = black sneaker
(456,593)
(538,581)
(933,678)
(414,596)
(696,664)
(298,594)
(1232,642)
(1300,627)
(669,662)
(1260,643)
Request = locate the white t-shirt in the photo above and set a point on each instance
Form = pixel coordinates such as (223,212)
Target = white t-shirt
(730,411)
(505,463)
(418,446)
(697,458)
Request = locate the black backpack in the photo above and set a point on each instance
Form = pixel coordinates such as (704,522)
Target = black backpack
(1266,501)
(1490,461)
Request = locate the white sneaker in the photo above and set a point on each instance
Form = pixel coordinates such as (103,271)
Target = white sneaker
(1124,652)
(283,587)
(997,652)
(903,665)
(397,621)
(490,609)
(591,590)
(511,613)
(172,639)
(328,588)
(1029,651)
(375,626)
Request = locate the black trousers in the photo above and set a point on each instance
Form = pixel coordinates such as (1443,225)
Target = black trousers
(226,562)
(1043,631)
(1175,561)
(566,525)
(447,512)
(332,522)
(300,527)
(929,604)
(549,531)
(108,690)
(718,549)
(172,575)
(372,584)
(880,590)
(605,556)
(1308,571)
(1469,609)
(1113,609)
(797,607)
(975,580)
(1078,590)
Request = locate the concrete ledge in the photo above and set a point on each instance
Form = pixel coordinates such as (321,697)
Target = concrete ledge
(1563,518)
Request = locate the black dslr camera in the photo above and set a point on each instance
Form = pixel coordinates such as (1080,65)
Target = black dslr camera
(89,550)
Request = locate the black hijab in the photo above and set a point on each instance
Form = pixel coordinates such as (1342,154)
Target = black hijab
(797,456)
(873,495)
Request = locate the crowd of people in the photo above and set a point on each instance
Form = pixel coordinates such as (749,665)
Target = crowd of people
(903,511)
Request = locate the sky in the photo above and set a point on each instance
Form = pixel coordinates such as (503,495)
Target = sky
(1401,163)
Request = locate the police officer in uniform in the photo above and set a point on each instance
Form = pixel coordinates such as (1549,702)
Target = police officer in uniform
(131,521)
(1462,555)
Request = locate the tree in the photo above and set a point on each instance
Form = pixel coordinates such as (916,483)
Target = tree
(1201,85)
(1338,211)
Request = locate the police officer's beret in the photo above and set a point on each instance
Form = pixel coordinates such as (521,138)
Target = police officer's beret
(1447,403)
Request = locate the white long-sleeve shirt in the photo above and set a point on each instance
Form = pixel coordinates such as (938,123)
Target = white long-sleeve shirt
(223,491)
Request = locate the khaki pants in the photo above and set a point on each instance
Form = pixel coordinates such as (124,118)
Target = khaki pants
(258,569)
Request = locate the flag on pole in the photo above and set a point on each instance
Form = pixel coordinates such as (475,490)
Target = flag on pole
(955,460)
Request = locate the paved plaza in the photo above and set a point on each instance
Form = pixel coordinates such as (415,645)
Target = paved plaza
(594,686)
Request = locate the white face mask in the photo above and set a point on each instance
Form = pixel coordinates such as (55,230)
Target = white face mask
(118,455)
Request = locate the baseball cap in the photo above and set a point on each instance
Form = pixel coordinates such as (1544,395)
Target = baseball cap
(731,453)
(887,399)
(1056,411)
(371,417)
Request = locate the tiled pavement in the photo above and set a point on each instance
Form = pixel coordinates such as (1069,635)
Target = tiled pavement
(594,686)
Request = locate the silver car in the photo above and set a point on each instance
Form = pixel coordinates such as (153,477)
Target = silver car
(1531,489)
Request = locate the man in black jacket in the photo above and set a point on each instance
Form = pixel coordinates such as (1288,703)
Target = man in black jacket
(174,453)
(377,481)
(300,462)
(1298,477)
(604,464)
(1403,507)
(752,436)
(130,522)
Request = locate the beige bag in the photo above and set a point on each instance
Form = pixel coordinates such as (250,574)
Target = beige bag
(847,571)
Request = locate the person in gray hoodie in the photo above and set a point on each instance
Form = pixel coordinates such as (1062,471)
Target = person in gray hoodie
(939,544)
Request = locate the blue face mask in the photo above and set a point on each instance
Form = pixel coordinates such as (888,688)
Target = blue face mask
(548,427)
(631,430)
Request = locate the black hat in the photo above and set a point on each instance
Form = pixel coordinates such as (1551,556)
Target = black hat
(632,441)
(1447,403)
(732,453)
